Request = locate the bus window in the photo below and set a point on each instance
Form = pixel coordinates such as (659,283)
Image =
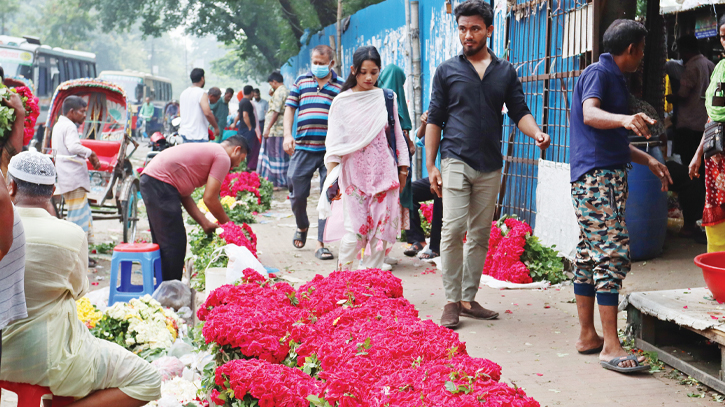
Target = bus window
(139,93)
(54,74)
(76,70)
(63,68)
(84,68)
(93,70)
(41,79)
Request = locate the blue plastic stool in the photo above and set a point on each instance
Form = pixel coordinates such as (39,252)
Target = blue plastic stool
(124,255)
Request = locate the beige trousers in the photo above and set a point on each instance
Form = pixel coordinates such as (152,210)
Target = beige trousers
(469,201)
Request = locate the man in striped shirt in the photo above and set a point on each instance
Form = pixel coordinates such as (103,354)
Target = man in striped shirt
(310,96)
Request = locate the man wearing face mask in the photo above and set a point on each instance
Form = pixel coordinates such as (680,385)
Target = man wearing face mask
(312,95)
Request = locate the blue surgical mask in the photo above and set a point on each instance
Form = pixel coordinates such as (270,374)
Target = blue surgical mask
(320,71)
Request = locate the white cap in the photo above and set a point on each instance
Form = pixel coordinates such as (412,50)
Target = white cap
(32,167)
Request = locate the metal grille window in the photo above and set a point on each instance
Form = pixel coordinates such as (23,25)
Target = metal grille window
(549,43)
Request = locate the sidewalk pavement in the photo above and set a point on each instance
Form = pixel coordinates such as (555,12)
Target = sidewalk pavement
(533,344)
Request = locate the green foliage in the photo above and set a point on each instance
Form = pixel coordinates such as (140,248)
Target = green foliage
(103,248)
(543,262)
(112,330)
(203,247)
(7,115)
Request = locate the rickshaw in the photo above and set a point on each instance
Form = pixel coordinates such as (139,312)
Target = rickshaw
(106,131)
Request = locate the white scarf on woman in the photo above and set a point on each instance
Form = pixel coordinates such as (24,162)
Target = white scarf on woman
(355,119)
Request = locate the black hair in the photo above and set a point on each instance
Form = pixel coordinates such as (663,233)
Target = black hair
(32,189)
(621,34)
(275,76)
(324,50)
(2,74)
(238,141)
(73,103)
(720,23)
(689,44)
(229,90)
(248,90)
(362,54)
(196,75)
(215,91)
(256,90)
(475,8)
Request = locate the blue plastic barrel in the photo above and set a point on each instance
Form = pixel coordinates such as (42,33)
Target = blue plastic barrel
(646,212)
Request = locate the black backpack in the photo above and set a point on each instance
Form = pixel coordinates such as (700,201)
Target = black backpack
(390,132)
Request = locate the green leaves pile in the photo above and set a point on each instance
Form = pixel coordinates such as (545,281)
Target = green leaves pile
(543,262)
(7,115)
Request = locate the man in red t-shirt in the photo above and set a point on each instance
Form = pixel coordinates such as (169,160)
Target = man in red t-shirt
(167,183)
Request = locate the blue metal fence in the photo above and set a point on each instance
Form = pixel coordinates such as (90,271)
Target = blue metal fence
(548,41)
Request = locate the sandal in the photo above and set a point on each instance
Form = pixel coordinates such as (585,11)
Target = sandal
(592,351)
(323,253)
(300,236)
(428,254)
(614,365)
(413,248)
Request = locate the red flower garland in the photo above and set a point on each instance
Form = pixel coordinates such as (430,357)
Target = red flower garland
(273,385)
(32,111)
(504,252)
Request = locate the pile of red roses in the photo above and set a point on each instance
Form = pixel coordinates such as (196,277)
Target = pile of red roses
(272,385)
(351,340)
(505,247)
(236,182)
(240,236)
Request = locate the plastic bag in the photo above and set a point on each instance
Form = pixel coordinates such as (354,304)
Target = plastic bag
(169,367)
(240,258)
(173,294)
(179,349)
(99,298)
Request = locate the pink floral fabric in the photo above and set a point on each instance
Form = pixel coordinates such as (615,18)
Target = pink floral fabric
(370,191)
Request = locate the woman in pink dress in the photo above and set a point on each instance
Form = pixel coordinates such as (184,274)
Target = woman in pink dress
(369,215)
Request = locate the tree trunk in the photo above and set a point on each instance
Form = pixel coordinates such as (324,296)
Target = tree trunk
(326,11)
(292,18)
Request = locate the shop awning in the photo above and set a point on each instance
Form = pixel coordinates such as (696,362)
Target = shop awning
(673,6)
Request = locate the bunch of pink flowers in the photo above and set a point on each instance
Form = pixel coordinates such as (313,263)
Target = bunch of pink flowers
(505,247)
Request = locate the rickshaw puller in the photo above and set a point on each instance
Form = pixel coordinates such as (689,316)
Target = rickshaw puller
(74,180)
(167,183)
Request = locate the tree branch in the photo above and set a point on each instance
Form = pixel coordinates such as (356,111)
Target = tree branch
(292,18)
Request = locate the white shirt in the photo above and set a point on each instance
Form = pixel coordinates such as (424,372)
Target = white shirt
(260,108)
(70,162)
(194,125)
(12,271)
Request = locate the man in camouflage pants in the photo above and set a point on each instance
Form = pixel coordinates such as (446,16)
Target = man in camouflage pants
(600,156)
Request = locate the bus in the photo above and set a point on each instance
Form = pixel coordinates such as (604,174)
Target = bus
(138,87)
(45,67)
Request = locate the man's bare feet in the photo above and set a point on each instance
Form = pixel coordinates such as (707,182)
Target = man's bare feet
(588,342)
(618,352)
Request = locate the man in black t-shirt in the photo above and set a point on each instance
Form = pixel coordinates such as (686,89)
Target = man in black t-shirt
(247,127)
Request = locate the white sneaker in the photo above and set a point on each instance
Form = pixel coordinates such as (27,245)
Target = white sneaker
(387,267)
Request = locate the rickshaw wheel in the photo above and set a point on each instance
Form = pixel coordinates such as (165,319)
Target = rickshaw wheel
(130,214)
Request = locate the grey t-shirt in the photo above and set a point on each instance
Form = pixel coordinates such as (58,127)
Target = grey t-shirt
(12,273)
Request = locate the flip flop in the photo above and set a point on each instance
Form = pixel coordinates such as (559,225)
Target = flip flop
(428,254)
(592,350)
(300,237)
(324,253)
(613,365)
(413,248)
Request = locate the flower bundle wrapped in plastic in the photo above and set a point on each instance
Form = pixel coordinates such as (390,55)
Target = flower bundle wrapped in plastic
(239,235)
(270,385)
(324,294)
(87,312)
(141,326)
(517,256)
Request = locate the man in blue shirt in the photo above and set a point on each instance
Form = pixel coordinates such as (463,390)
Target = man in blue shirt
(310,97)
(599,157)
(467,97)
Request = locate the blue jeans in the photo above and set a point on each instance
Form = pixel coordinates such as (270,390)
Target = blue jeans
(186,140)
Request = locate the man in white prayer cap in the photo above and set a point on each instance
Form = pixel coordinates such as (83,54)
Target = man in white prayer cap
(51,347)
